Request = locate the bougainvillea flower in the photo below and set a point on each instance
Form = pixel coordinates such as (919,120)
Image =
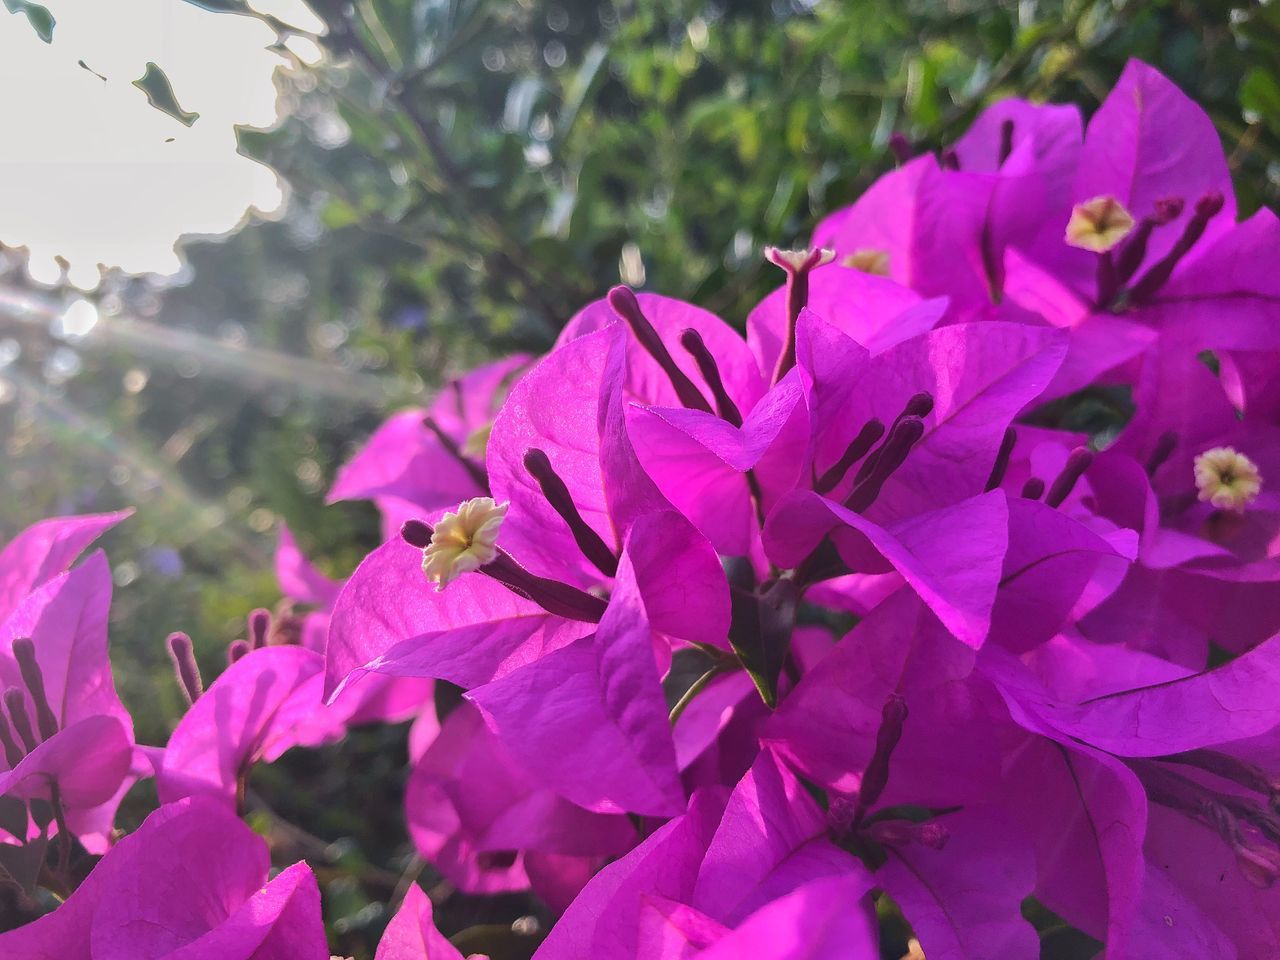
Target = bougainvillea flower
(1190,477)
(558,455)
(263,704)
(711,869)
(480,820)
(599,697)
(873,311)
(952,220)
(190,884)
(412,933)
(1203,747)
(46,549)
(422,460)
(713,449)
(827,726)
(382,700)
(661,367)
(66,736)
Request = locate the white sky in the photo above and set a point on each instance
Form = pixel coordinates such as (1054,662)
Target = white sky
(85,169)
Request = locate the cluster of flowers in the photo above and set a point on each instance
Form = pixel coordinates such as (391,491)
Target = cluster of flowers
(948,654)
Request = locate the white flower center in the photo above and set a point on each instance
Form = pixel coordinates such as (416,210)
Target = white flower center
(1099,224)
(463,540)
(1227,478)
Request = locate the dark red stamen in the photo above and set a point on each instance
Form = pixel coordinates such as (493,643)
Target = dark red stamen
(24,651)
(1135,249)
(1077,463)
(1207,207)
(893,452)
(1001,466)
(259,628)
(949,159)
(625,305)
(236,650)
(16,703)
(1108,277)
(1033,489)
(1230,768)
(858,447)
(557,494)
(692,341)
(185,667)
(920,405)
(477,472)
(901,147)
(553,596)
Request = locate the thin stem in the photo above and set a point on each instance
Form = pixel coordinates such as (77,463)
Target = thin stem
(696,688)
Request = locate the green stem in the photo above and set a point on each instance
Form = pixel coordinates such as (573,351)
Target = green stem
(696,688)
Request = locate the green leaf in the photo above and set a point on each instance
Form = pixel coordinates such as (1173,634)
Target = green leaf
(39,17)
(761,634)
(160,95)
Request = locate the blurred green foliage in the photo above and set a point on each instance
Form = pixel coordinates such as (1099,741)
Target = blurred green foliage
(465,174)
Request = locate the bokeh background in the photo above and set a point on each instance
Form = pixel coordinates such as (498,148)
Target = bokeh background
(458,177)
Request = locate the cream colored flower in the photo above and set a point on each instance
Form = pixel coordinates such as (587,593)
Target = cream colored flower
(1227,478)
(1099,224)
(868,260)
(463,540)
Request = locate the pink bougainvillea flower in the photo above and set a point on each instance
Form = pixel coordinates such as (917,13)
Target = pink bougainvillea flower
(599,697)
(891,513)
(485,824)
(65,734)
(719,452)
(740,886)
(953,220)
(190,884)
(263,704)
(422,460)
(1119,238)
(1204,749)
(378,700)
(714,868)
(1191,478)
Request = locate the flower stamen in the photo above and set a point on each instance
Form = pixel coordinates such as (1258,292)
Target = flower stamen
(1227,479)
(1099,224)
(464,540)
